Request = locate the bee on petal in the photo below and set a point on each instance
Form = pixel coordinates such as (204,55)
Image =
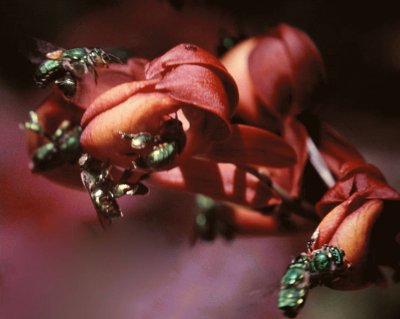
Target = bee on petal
(62,147)
(312,268)
(154,152)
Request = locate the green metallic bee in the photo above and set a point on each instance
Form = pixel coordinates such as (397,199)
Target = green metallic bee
(161,148)
(62,147)
(103,190)
(65,67)
(310,269)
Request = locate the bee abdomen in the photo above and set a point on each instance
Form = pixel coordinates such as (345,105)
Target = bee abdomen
(48,72)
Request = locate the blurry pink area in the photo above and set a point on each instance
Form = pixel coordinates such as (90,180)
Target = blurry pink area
(57,262)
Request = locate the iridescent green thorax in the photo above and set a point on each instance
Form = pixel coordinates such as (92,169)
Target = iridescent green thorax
(327,259)
(75,54)
(320,261)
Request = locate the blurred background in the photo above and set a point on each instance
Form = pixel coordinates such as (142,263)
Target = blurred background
(55,260)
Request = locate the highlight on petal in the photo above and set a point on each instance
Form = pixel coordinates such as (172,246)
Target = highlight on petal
(248,145)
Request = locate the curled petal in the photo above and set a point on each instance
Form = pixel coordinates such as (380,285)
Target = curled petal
(363,179)
(194,85)
(193,76)
(218,181)
(248,145)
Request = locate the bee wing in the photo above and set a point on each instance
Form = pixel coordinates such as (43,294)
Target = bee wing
(89,182)
(36,49)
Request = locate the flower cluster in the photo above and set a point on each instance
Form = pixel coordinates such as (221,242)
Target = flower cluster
(241,130)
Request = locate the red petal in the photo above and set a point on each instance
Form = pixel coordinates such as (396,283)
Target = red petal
(89,88)
(336,150)
(218,181)
(286,70)
(142,112)
(196,85)
(248,145)
(350,225)
(362,179)
(290,178)
(247,221)
(193,76)
(115,96)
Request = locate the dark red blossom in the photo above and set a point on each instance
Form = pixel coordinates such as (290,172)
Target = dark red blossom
(190,85)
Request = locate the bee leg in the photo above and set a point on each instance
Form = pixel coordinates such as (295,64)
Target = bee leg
(312,240)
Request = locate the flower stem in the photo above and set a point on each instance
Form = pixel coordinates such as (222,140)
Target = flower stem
(295,205)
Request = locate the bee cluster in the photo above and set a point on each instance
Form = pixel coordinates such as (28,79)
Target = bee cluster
(65,68)
(312,268)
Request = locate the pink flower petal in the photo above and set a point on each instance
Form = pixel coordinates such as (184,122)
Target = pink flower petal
(218,181)
(248,145)
(89,88)
(194,76)
(286,70)
(142,112)
(358,178)
(336,150)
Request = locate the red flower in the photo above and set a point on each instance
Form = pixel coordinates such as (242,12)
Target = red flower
(278,76)
(360,215)
(189,85)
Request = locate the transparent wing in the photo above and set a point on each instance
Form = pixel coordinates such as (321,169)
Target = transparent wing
(36,49)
